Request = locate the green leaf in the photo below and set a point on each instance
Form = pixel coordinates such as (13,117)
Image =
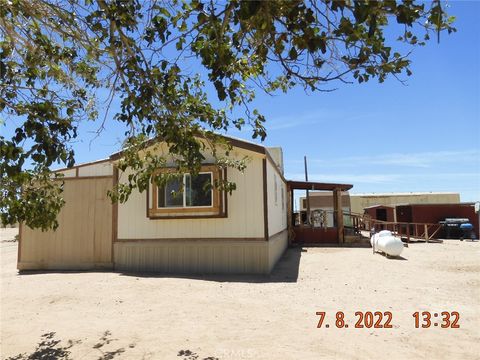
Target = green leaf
(293,54)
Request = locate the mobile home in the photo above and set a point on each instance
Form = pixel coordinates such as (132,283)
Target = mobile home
(203,230)
(208,232)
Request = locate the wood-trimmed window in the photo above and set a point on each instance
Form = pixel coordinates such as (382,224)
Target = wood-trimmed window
(188,196)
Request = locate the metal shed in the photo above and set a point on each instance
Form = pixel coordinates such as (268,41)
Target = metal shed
(434,213)
(381,212)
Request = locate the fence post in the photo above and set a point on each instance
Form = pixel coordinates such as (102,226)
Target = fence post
(426,232)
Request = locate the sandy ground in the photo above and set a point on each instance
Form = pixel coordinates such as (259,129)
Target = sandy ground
(104,315)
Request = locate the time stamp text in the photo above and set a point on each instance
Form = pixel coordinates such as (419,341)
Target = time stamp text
(384,320)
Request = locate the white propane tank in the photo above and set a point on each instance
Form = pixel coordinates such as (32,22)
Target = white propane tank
(385,242)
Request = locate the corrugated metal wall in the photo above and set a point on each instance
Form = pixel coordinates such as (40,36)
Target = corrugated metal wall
(216,256)
(193,257)
(277,245)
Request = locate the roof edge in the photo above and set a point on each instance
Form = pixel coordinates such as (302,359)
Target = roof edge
(235,142)
(311,185)
(88,163)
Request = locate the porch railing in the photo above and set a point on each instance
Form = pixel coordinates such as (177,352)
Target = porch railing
(407,230)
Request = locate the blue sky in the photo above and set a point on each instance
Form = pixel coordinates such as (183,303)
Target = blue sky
(390,137)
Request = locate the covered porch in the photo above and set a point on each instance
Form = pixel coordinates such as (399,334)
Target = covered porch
(314,229)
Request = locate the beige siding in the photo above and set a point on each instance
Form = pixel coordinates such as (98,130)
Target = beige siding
(277,156)
(277,202)
(100,169)
(277,245)
(193,257)
(245,211)
(83,239)
(232,245)
(68,173)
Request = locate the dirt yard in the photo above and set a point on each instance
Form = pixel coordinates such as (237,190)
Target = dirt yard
(105,315)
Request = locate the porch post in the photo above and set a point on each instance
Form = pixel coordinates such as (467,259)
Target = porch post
(290,218)
(337,206)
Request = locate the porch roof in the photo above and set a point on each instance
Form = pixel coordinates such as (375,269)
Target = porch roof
(310,185)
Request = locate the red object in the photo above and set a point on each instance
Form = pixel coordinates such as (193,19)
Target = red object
(434,213)
(381,212)
(307,235)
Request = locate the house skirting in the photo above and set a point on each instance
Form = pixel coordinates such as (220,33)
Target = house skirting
(67,266)
(200,256)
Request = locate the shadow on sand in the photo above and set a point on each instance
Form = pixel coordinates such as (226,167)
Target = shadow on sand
(190,355)
(49,348)
(392,257)
(345,246)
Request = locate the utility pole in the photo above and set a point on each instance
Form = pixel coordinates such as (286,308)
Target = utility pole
(308,196)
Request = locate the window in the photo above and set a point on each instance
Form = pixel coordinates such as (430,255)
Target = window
(189,191)
(171,195)
(199,189)
(188,196)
